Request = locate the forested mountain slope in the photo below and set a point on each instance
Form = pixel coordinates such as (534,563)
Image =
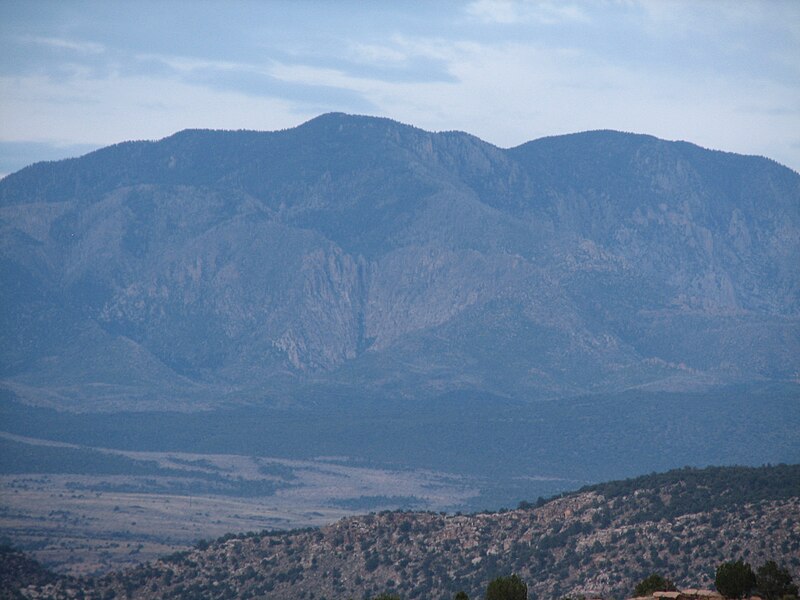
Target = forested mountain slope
(356,253)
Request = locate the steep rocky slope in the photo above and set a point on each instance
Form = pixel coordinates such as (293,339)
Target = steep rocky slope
(213,266)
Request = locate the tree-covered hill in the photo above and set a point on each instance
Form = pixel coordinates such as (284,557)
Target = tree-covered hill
(696,490)
(598,541)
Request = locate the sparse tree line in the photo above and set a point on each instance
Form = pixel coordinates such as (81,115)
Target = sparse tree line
(735,580)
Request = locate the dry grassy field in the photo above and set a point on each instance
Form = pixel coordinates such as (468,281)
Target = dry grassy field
(90,523)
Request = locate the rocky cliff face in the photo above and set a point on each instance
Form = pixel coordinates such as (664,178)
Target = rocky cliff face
(350,249)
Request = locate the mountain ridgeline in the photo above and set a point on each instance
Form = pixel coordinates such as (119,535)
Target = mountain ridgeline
(356,253)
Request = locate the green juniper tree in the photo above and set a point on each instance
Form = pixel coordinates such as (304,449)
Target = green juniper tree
(653,583)
(735,579)
(774,582)
(507,588)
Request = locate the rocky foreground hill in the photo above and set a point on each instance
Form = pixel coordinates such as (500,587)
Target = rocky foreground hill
(599,541)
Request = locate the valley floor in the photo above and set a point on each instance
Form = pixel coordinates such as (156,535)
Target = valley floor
(93,523)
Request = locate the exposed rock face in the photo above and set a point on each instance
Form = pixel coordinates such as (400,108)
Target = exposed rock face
(210,264)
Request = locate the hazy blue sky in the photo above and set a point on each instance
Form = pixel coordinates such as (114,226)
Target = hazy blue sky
(76,75)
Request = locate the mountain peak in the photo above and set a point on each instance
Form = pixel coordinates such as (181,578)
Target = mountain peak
(340,118)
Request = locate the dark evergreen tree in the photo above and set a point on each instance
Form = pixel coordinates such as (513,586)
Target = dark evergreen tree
(654,583)
(774,582)
(735,579)
(507,588)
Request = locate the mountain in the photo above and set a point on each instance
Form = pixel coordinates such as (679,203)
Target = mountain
(357,256)
(600,540)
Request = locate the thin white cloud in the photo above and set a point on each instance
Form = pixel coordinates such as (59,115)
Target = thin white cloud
(303,73)
(671,16)
(771,29)
(494,11)
(83,47)
(376,54)
(186,64)
(525,11)
(105,111)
